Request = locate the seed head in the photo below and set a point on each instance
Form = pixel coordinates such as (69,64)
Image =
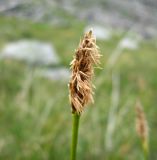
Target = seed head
(141,122)
(80,85)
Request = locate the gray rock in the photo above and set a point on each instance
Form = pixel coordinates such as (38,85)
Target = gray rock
(62,74)
(129,43)
(121,14)
(32,52)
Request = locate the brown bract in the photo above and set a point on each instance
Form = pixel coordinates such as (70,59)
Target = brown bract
(80,85)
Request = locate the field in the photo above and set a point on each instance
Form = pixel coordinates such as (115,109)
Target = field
(35,117)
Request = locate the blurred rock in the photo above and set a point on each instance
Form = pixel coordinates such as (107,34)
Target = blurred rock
(61,74)
(32,52)
(100,32)
(129,43)
(123,14)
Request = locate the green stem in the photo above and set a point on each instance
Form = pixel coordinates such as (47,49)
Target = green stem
(75,129)
(145,149)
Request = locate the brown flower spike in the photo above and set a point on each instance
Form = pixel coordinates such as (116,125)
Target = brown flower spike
(80,85)
(141,123)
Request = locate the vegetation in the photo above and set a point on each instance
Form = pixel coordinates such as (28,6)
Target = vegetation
(42,129)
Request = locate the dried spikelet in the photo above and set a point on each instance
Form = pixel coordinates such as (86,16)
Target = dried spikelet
(80,85)
(141,123)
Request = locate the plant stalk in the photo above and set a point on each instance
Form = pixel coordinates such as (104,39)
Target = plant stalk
(75,128)
(145,147)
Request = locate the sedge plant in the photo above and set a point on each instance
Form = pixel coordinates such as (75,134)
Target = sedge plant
(80,85)
(142,129)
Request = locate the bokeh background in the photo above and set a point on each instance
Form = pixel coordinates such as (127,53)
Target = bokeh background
(37,42)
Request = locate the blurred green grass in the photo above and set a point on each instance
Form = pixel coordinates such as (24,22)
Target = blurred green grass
(41,129)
